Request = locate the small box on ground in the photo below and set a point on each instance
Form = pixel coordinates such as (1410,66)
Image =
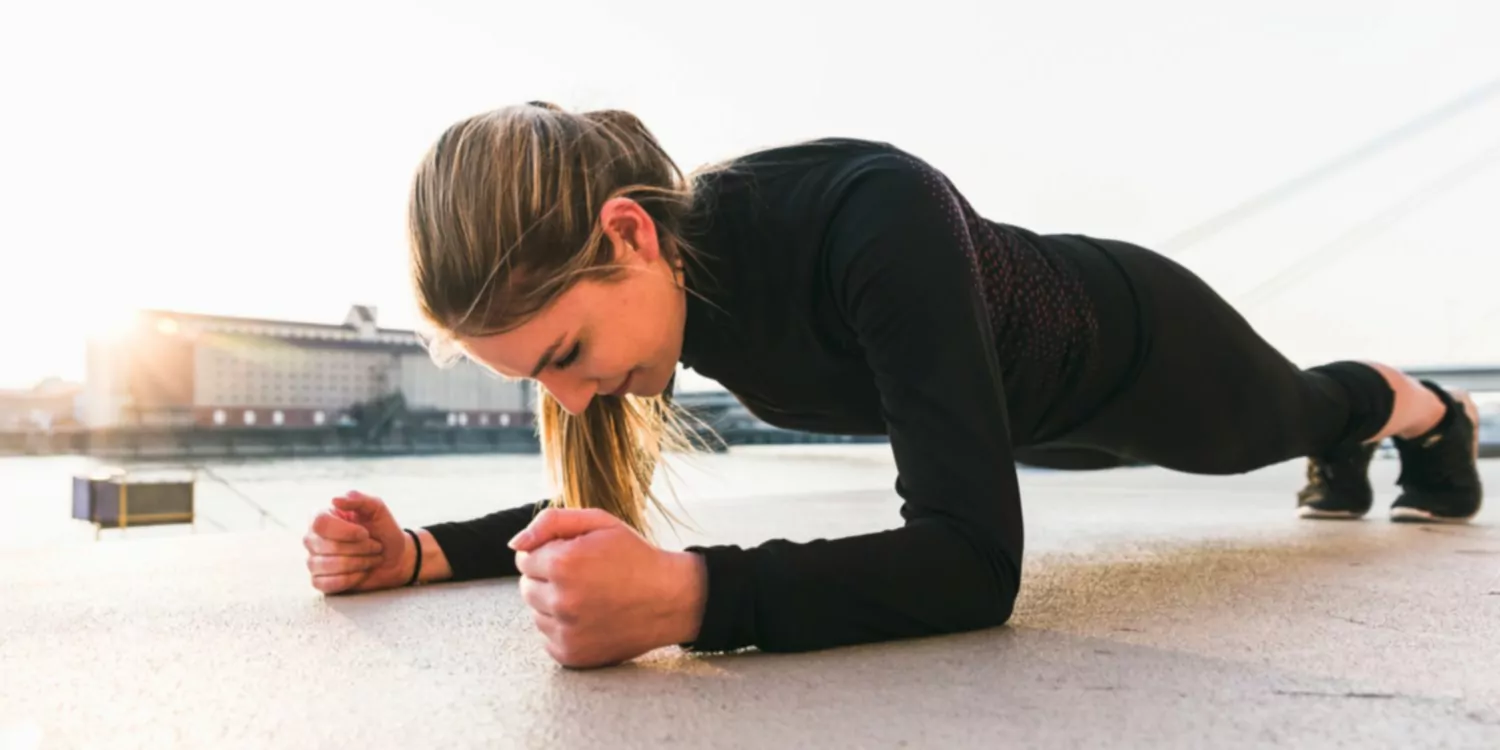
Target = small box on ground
(116,501)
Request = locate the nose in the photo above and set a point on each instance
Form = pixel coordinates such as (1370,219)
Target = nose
(572,393)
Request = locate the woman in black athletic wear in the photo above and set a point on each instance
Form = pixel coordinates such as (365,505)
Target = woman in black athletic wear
(836,286)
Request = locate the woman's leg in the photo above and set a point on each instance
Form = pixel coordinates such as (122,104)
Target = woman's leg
(1068,459)
(1206,394)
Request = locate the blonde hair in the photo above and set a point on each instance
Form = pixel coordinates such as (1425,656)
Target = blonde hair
(503,221)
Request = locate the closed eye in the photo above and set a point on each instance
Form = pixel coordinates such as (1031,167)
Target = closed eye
(569,358)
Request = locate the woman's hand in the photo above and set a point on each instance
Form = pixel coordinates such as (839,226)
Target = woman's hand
(600,593)
(357,546)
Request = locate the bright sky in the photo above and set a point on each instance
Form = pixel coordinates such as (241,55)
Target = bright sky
(253,159)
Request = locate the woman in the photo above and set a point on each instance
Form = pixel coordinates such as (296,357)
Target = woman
(836,286)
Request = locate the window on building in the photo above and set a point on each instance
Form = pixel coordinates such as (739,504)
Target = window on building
(220,417)
(277,417)
(249,416)
(319,417)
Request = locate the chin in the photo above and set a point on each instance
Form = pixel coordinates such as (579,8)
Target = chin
(649,383)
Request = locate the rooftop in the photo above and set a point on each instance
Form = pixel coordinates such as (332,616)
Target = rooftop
(1159,610)
(359,317)
(358,330)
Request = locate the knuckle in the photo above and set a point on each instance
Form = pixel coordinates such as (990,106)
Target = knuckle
(536,598)
(560,567)
(565,605)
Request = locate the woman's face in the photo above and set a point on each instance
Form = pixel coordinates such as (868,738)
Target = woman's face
(601,337)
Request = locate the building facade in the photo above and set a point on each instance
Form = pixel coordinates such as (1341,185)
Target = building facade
(174,368)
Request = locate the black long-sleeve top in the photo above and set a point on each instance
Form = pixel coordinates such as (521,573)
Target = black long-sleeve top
(847,287)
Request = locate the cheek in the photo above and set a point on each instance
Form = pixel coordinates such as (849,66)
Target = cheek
(615,355)
(636,333)
(640,334)
(664,320)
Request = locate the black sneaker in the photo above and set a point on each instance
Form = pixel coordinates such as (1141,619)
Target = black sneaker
(1439,470)
(1338,484)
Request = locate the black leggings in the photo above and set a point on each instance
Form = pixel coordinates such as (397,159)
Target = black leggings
(1182,381)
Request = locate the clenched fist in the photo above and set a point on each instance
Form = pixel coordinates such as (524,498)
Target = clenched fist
(600,593)
(357,546)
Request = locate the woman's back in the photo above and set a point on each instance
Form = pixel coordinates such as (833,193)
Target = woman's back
(780,228)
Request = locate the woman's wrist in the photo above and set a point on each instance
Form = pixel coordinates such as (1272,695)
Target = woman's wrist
(434,564)
(691,598)
(414,557)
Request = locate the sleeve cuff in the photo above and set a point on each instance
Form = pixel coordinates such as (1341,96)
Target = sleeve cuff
(729,612)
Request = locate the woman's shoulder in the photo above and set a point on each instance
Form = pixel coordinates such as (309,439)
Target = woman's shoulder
(807,178)
(811,155)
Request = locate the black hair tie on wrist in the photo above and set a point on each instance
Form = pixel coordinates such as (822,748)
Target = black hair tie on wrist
(416,571)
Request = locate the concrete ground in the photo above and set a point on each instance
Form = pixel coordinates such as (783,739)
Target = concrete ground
(1159,610)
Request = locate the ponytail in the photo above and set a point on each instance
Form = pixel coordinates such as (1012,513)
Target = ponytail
(606,457)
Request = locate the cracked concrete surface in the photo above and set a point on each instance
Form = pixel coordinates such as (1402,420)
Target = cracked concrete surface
(1159,610)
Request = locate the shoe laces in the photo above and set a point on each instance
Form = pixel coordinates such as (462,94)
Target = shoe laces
(1315,473)
(1316,485)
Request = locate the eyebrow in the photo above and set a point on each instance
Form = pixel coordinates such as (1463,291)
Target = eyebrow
(547,356)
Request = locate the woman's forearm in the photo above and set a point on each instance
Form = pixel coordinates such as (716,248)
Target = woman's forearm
(475,548)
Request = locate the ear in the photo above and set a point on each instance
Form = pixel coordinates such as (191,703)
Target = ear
(631,230)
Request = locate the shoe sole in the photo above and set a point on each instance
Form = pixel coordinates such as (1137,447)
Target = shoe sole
(1416,515)
(1336,515)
